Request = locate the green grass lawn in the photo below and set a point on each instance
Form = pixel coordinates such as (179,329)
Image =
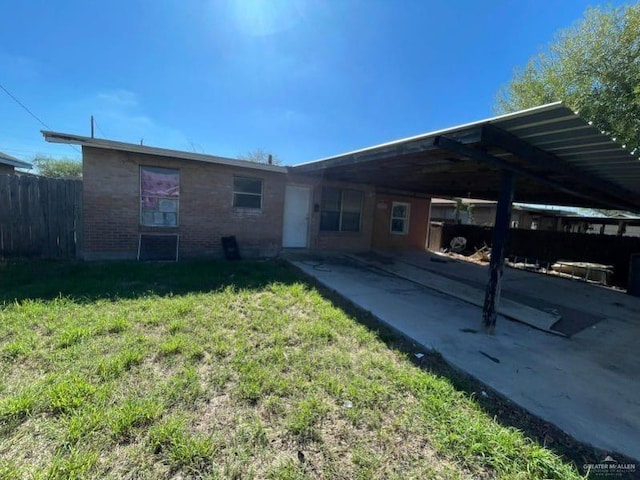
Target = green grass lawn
(223,370)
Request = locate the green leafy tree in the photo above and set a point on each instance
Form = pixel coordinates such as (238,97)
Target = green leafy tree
(464,207)
(260,155)
(594,67)
(66,168)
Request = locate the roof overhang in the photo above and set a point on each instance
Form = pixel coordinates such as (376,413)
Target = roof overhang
(56,137)
(13,161)
(558,158)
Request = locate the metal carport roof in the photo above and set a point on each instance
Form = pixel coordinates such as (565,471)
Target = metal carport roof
(559,158)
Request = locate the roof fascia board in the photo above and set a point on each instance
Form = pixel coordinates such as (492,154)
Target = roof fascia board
(13,161)
(448,131)
(55,137)
(411,147)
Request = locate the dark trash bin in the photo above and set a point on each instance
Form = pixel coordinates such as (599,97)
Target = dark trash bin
(230,247)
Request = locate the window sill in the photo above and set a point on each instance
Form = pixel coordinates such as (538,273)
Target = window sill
(337,233)
(247,211)
(158,228)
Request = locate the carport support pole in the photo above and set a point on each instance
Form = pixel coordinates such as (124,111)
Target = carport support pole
(500,231)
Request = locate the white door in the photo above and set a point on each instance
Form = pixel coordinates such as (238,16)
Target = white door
(296,216)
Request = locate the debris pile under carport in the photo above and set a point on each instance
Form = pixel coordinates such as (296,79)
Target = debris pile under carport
(587,271)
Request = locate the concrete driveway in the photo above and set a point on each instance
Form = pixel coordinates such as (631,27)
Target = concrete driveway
(587,383)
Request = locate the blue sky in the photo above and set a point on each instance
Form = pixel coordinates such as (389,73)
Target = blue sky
(303,79)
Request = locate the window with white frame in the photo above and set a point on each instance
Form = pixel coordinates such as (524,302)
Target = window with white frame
(159,196)
(400,218)
(247,192)
(340,210)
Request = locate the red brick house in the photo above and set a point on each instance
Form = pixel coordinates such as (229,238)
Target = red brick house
(136,196)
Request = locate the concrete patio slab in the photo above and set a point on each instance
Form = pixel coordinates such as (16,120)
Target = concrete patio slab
(466,292)
(587,385)
(538,290)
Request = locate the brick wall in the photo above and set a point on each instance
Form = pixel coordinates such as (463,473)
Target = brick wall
(416,236)
(112,207)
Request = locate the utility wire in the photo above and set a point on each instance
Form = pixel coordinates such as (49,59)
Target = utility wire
(25,107)
(30,112)
(98,126)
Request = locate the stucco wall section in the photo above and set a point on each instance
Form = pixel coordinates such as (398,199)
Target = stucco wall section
(416,236)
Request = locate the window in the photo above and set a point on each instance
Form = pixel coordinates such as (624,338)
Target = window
(400,218)
(340,210)
(247,192)
(159,195)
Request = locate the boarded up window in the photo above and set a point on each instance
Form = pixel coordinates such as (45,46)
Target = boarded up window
(159,196)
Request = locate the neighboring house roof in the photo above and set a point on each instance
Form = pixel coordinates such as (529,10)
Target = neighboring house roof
(546,210)
(445,202)
(575,213)
(578,212)
(13,161)
(56,137)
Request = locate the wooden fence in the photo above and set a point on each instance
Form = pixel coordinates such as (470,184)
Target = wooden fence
(40,217)
(547,247)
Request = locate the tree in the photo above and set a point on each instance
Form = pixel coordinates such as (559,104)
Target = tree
(66,168)
(260,155)
(594,67)
(461,206)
